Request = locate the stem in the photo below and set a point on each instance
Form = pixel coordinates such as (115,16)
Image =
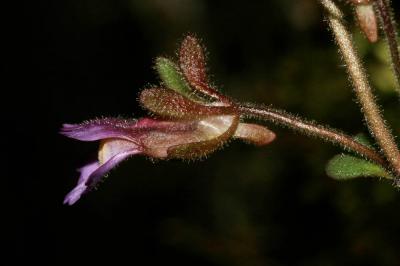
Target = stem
(312,129)
(363,91)
(389,28)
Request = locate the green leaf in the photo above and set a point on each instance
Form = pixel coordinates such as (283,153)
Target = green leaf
(173,78)
(343,167)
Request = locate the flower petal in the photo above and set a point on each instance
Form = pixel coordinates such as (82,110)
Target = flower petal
(111,147)
(168,103)
(76,193)
(96,176)
(130,130)
(92,173)
(99,129)
(255,134)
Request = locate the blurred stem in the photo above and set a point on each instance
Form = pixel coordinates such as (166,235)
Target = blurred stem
(389,28)
(310,128)
(369,108)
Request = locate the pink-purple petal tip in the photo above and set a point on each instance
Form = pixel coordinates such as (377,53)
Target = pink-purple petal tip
(92,174)
(99,129)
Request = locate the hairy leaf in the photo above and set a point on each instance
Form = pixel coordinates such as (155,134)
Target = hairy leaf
(174,79)
(167,103)
(343,167)
(193,66)
(192,62)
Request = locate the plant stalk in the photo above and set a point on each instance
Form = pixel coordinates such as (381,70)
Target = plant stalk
(312,129)
(363,91)
(389,27)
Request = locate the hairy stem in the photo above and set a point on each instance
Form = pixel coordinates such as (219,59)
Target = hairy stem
(363,91)
(311,129)
(389,28)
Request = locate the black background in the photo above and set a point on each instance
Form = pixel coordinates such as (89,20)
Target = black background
(71,61)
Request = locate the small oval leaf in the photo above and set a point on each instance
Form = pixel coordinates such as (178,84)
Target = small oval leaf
(193,64)
(343,167)
(173,78)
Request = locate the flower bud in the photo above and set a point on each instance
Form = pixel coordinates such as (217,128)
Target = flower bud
(367,20)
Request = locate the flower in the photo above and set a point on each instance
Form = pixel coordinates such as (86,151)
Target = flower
(191,120)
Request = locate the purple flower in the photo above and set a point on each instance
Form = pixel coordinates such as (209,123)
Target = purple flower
(192,121)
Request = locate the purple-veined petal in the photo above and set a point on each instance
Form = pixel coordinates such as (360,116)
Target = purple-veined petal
(255,134)
(131,130)
(97,175)
(80,188)
(99,129)
(92,173)
(168,103)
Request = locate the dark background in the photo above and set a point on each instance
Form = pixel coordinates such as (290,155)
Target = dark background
(76,60)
